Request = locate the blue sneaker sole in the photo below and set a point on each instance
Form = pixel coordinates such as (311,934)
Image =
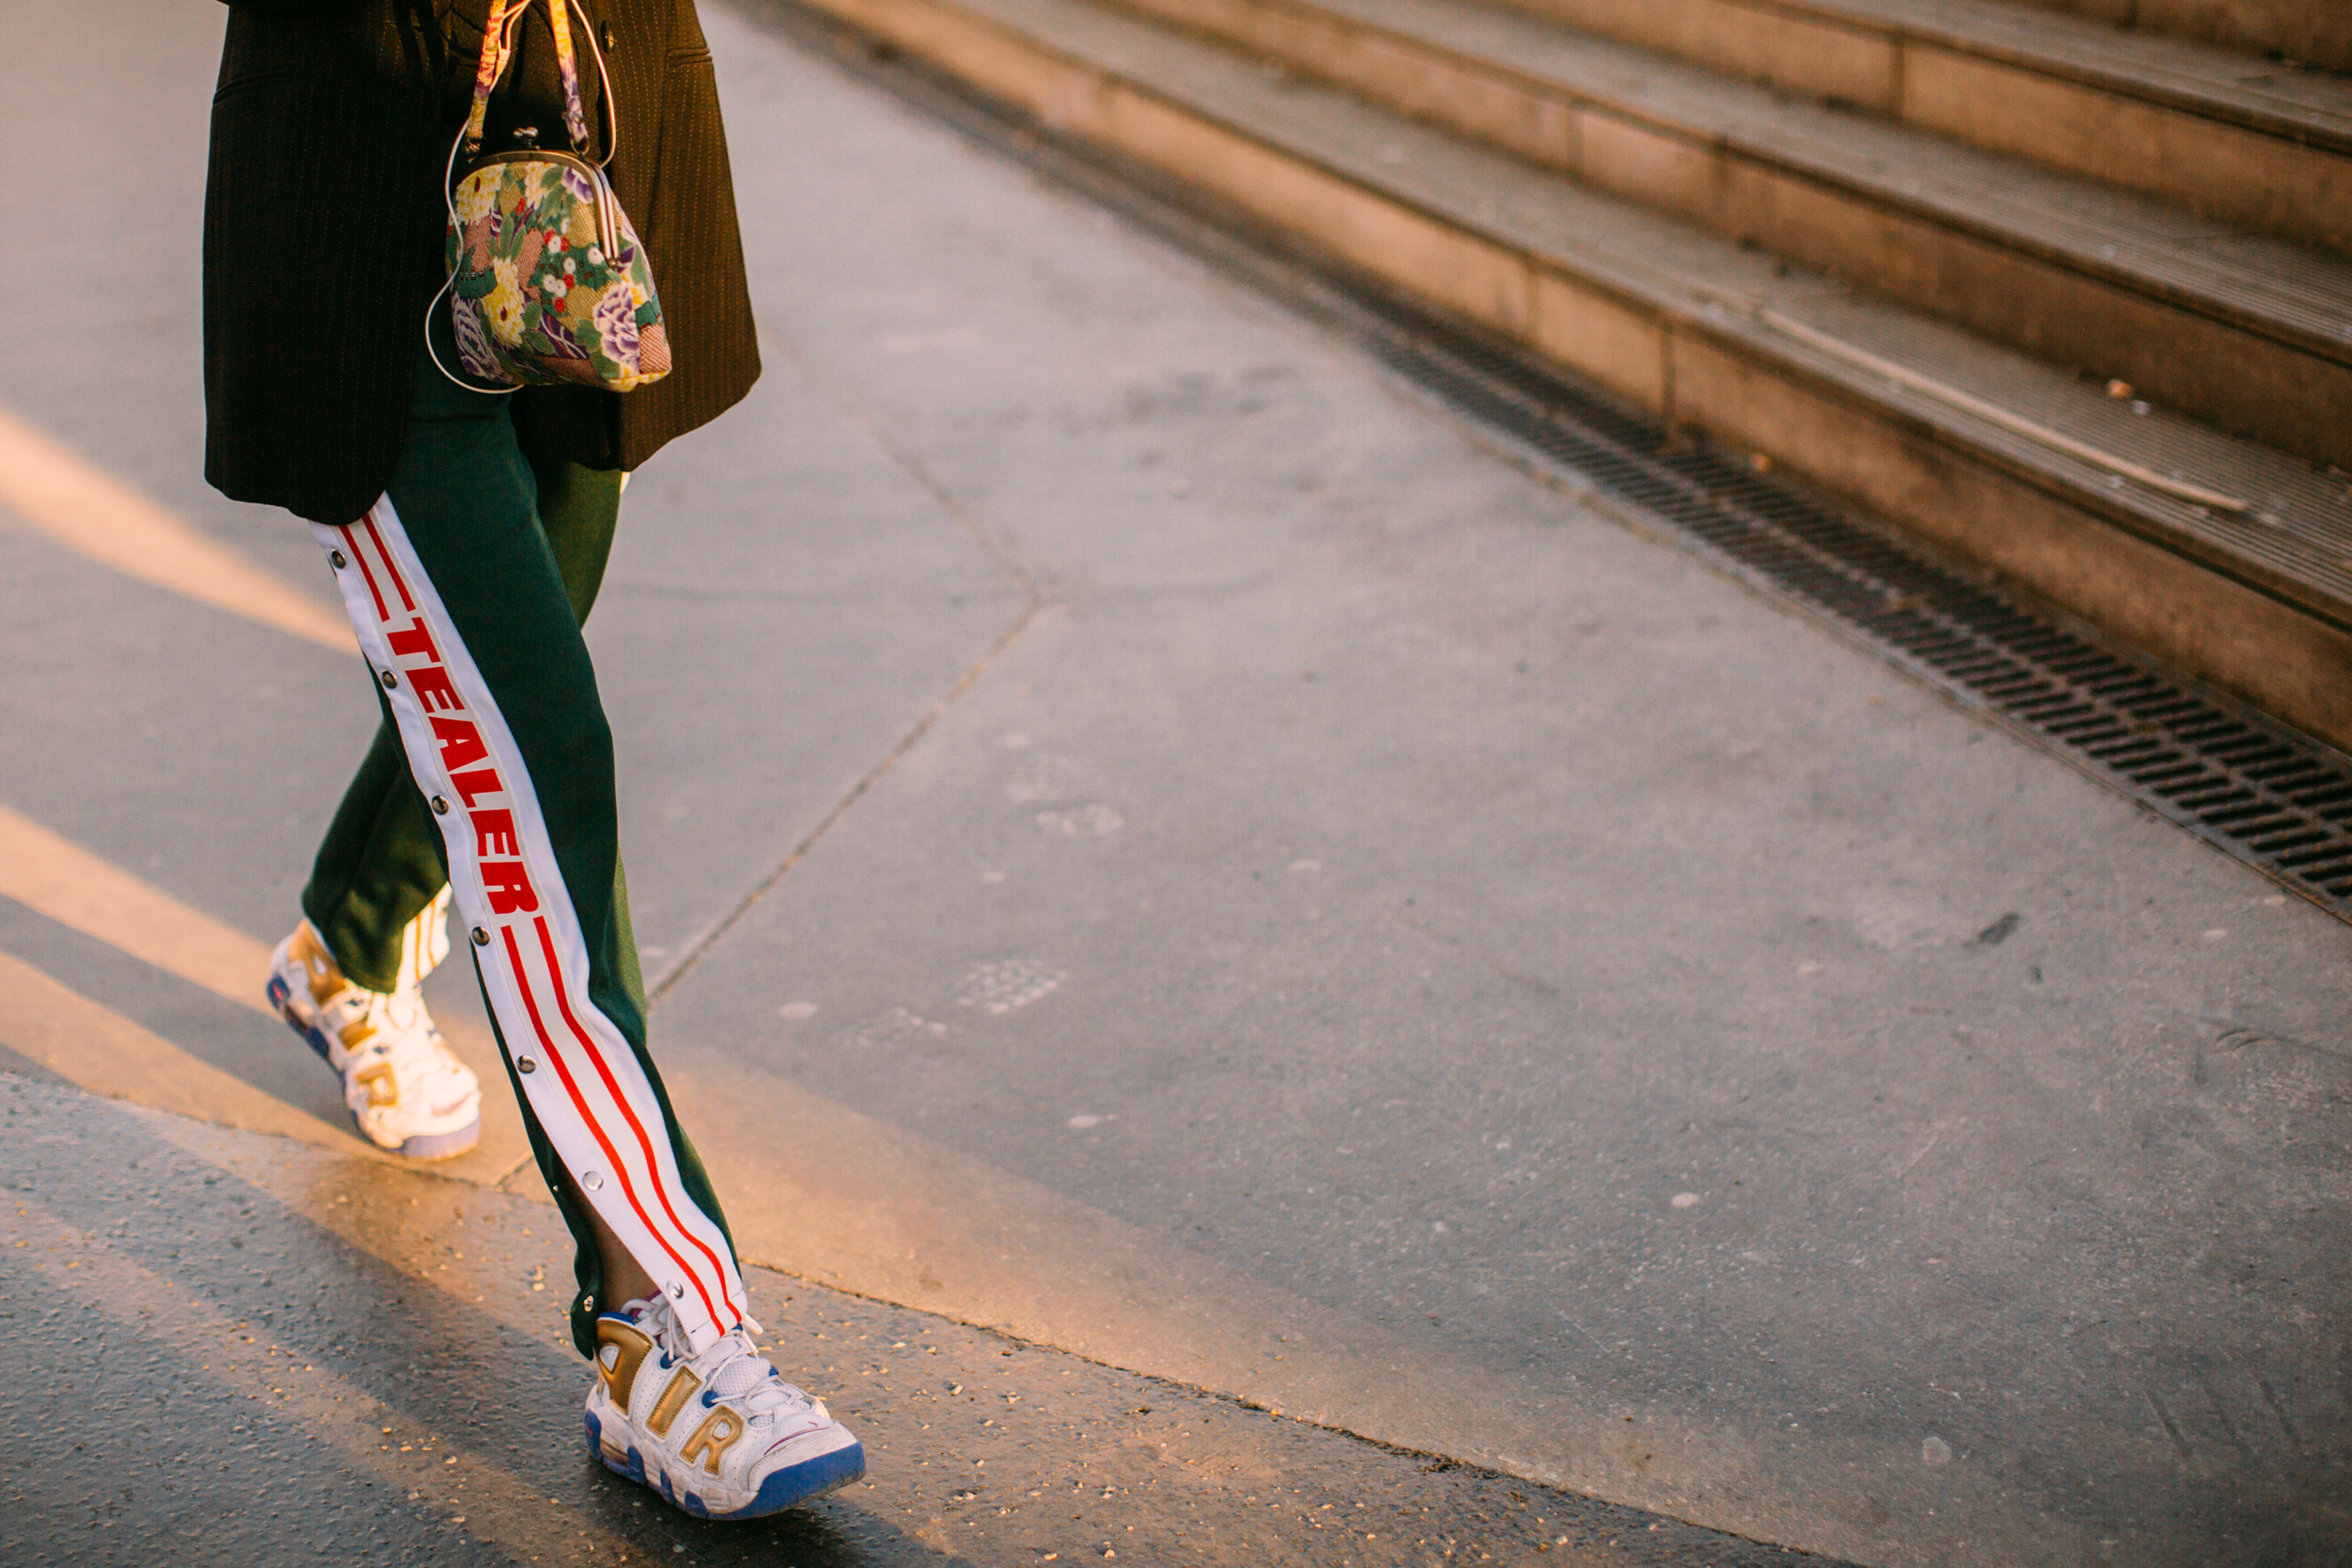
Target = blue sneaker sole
(803,1483)
(435,1146)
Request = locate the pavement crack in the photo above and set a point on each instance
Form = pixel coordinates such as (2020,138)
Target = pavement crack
(501,1178)
(1033,601)
(2170,1426)
(847,403)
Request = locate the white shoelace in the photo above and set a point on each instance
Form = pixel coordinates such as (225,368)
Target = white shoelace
(732,1370)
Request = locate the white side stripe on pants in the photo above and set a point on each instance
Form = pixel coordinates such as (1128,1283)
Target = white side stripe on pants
(593,1099)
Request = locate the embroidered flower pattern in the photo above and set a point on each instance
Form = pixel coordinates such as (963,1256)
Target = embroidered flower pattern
(502,305)
(616,325)
(475,200)
(536,296)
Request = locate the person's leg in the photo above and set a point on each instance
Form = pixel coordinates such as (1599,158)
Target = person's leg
(375,913)
(465,615)
(579,510)
(378,869)
(469,621)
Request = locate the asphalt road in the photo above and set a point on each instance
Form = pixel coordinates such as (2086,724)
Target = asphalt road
(1152,842)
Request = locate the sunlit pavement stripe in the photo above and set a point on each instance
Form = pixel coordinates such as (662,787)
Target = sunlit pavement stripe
(327,1410)
(855,1201)
(57,878)
(102,1051)
(880,1210)
(833,1195)
(54,877)
(100,517)
(873,1207)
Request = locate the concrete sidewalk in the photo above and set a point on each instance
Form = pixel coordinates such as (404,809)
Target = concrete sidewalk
(293,1357)
(1187,860)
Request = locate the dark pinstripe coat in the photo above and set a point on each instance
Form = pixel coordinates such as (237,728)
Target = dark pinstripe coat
(323,219)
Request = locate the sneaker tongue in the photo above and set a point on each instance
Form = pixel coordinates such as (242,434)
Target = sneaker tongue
(741,1368)
(738,1376)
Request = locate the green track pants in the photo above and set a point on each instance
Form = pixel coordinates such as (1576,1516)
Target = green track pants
(492,773)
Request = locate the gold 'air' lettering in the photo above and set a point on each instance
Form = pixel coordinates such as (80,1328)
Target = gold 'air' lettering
(680,1389)
(383,1088)
(711,1438)
(620,1349)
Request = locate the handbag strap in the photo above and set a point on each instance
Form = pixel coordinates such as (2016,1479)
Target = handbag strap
(497,49)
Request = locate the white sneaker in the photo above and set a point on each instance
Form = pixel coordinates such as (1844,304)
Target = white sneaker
(721,1435)
(407,1092)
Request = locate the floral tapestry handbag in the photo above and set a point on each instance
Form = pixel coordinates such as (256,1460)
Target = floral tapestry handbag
(548,283)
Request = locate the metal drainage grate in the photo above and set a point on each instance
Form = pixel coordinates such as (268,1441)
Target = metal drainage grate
(2244,782)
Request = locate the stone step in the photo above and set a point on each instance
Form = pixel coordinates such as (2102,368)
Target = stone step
(2215,131)
(2249,333)
(2229,559)
(2312,33)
